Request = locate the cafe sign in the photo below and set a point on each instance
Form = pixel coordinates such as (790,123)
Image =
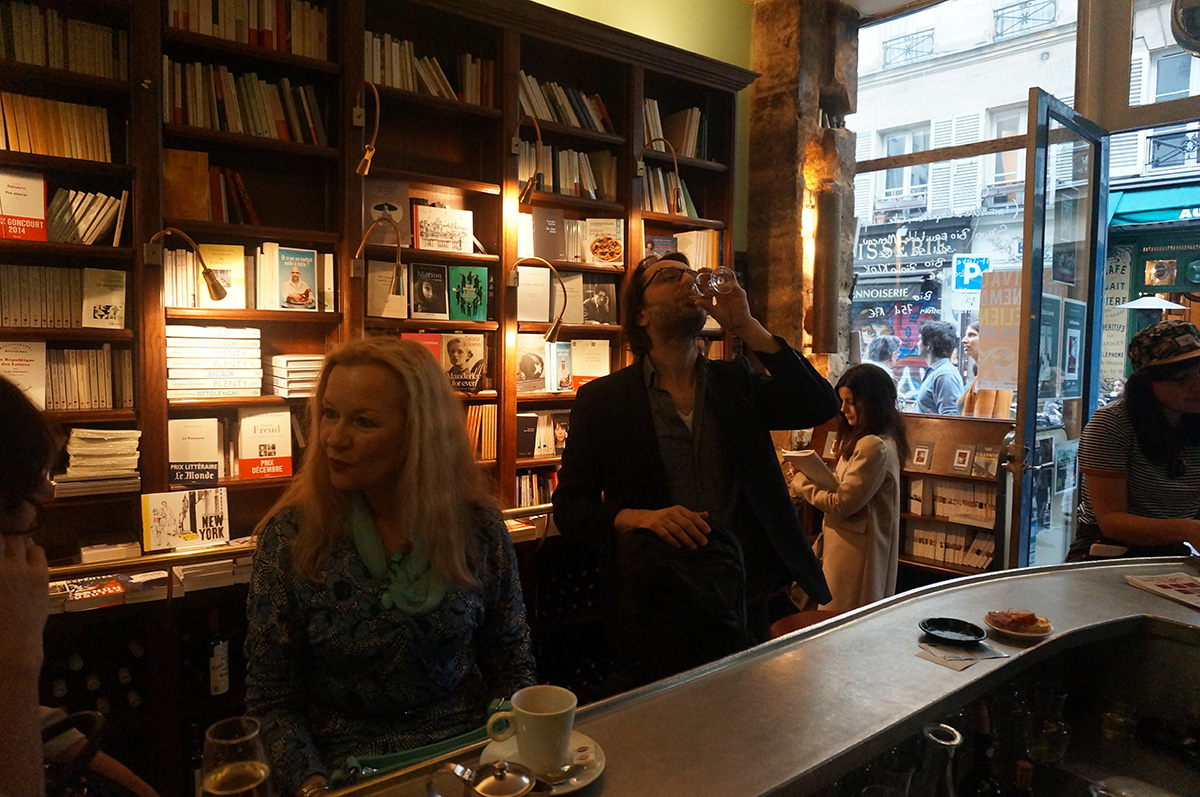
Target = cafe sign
(913,245)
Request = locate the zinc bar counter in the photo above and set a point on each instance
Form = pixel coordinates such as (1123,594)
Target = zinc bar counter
(795,714)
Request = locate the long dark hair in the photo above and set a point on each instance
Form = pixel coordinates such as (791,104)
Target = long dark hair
(30,445)
(874,395)
(1159,441)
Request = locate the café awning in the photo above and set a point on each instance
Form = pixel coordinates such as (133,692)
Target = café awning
(1151,205)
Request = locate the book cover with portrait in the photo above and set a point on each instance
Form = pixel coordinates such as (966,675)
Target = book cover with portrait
(297,278)
(428,291)
(531,363)
(599,299)
(464,359)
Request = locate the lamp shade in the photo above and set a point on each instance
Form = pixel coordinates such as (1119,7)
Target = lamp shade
(1151,303)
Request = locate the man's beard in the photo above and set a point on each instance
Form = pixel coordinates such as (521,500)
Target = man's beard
(683,323)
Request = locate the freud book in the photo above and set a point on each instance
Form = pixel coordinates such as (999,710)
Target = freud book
(264,443)
(184,519)
(193,451)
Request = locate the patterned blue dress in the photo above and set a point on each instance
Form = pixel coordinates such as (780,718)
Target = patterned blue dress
(332,673)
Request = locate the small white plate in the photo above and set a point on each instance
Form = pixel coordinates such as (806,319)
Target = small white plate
(1019,634)
(582,750)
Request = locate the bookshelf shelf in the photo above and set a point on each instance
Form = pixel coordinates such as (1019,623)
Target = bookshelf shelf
(681,222)
(553,131)
(249,232)
(557,398)
(254,484)
(65,166)
(481,396)
(23,78)
(203,135)
(76,417)
(538,462)
(227,403)
(664,159)
(253,316)
(65,253)
(941,568)
(408,254)
(593,268)
(73,334)
(435,325)
(428,181)
(393,95)
(572,330)
(596,207)
(960,521)
(967,477)
(195,43)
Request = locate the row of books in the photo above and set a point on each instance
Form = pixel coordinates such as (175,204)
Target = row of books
(536,487)
(666,192)
(213,361)
(963,502)
(481,430)
(590,298)
(82,217)
(49,297)
(392,61)
(202,450)
(702,247)
(229,199)
(202,95)
(684,129)
(69,379)
(591,175)
(427,291)
(50,127)
(544,367)
(547,233)
(46,38)
(286,26)
(956,546)
(192,189)
(542,433)
(100,461)
(274,278)
(569,106)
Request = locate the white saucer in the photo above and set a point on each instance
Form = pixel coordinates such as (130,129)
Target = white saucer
(582,750)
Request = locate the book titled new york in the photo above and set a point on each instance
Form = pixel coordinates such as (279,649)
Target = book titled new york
(468,293)
(184,519)
(429,291)
(193,451)
(297,278)
(264,443)
(442,229)
(22,206)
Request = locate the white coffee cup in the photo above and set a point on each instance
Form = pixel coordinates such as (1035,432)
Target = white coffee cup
(541,718)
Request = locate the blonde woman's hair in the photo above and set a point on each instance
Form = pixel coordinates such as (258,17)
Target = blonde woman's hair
(441,490)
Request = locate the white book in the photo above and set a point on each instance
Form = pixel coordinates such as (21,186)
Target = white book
(809,463)
(213,393)
(186,384)
(387,289)
(296,360)
(589,360)
(264,443)
(442,229)
(533,293)
(266,275)
(574,285)
(215,373)
(187,331)
(192,451)
(103,298)
(251,363)
(23,362)
(182,351)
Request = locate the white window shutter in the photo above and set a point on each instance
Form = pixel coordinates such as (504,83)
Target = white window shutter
(964,193)
(1123,151)
(863,201)
(940,171)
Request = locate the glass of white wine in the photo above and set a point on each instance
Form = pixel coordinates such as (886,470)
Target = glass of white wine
(235,761)
(713,281)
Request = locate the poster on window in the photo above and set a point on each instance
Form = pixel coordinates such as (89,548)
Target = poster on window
(901,318)
(1062,264)
(1071,357)
(1049,372)
(999,329)
(1114,333)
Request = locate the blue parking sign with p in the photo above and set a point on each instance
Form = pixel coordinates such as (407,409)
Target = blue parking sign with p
(969,270)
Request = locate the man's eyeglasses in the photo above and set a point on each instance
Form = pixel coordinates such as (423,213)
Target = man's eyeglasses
(671,274)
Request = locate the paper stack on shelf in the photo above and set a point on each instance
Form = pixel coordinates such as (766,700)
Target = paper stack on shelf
(205,362)
(293,375)
(101,461)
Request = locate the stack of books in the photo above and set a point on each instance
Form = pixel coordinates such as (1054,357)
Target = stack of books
(213,362)
(101,461)
(294,375)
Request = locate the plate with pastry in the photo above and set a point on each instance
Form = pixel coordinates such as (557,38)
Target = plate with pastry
(1019,624)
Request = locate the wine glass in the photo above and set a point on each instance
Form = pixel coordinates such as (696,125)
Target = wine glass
(235,761)
(714,281)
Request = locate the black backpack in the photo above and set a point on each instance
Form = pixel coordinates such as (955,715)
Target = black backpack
(678,608)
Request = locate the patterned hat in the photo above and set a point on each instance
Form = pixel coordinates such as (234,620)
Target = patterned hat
(1164,342)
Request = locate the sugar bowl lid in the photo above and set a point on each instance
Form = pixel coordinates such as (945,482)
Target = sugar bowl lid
(494,779)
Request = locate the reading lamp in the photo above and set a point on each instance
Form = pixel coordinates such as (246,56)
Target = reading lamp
(551,335)
(676,198)
(364,165)
(215,289)
(526,195)
(367,234)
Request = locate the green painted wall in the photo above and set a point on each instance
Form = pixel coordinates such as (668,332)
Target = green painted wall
(719,29)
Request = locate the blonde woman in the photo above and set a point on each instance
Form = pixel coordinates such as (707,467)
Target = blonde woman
(385,609)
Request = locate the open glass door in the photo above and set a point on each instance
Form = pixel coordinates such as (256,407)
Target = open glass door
(1066,193)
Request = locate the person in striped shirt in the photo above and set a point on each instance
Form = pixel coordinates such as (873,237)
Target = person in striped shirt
(1140,455)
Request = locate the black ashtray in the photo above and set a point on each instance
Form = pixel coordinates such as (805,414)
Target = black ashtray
(952,631)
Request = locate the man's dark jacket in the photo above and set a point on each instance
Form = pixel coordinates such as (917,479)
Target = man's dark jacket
(612,461)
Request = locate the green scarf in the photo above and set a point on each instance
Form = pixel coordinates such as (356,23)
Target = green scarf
(413,586)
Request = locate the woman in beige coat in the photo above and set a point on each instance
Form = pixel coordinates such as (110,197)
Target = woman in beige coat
(860,536)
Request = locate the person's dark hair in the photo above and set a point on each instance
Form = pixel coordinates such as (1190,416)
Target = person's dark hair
(1159,441)
(939,337)
(883,347)
(30,445)
(634,298)
(875,402)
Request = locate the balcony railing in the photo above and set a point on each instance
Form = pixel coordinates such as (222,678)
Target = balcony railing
(1021,18)
(906,49)
(1172,150)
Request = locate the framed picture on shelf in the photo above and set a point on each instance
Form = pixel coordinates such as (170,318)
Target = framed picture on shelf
(429,291)
(962,458)
(922,456)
